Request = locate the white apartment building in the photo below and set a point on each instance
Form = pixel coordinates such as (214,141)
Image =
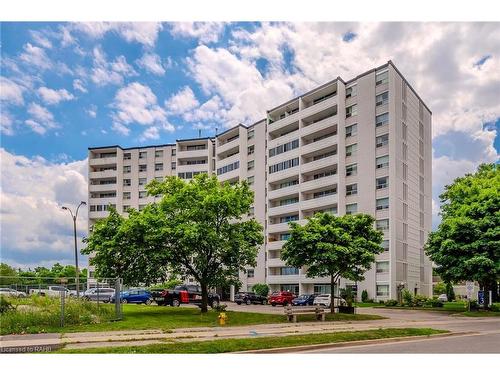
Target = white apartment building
(362,145)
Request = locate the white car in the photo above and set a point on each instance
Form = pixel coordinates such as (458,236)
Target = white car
(11,292)
(326,300)
(443,298)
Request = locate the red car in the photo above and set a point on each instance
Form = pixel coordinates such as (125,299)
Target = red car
(281,298)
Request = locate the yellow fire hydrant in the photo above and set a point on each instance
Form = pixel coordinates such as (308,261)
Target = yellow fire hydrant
(222,318)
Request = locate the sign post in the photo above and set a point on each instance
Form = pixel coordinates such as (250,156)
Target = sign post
(469,286)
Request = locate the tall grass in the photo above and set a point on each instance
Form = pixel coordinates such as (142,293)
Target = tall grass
(37,314)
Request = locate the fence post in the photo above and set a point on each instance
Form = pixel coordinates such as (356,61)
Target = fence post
(118,309)
(62,307)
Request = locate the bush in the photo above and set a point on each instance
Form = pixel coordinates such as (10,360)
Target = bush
(170,284)
(439,288)
(391,302)
(220,308)
(433,303)
(261,289)
(5,305)
(407,298)
(474,305)
(419,300)
(495,307)
(450,293)
(364,296)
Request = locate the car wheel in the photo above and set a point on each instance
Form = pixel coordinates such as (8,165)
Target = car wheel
(264,301)
(248,302)
(124,301)
(238,303)
(285,303)
(273,304)
(175,302)
(148,302)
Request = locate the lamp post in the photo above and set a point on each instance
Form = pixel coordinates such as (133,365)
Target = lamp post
(74,217)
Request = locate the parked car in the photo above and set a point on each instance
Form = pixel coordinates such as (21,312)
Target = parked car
(443,298)
(281,298)
(304,300)
(156,295)
(326,300)
(186,294)
(99,294)
(11,292)
(51,291)
(134,296)
(248,298)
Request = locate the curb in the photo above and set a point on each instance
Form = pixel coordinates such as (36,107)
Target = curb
(293,349)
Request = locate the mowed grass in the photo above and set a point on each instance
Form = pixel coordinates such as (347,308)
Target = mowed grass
(236,345)
(481,314)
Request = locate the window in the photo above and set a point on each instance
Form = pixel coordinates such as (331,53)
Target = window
(382,290)
(351,149)
(351,170)
(351,91)
(351,189)
(284,148)
(324,174)
(142,181)
(125,208)
(351,130)
(250,273)
(159,179)
(324,193)
(382,267)
(143,155)
(382,182)
(284,236)
(321,98)
(143,167)
(126,195)
(382,161)
(196,147)
(382,99)
(351,208)
(126,182)
(284,202)
(251,211)
(382,224)
(382,203)
(382,140)
(142,207)
(173,152)
(158,153)
(325,155)
(173,165)
(250,165)
(381,78)
(127,156)
(250,180)
(251,150)
(351,111)
(385,245)
(159,167)
(286,219)
(382,119)
(228,168)
(251,134)
(288,183)
(284,165)
(289,271)
(143,194)
(127,169)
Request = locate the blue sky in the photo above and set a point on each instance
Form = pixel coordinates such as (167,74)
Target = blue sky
(68,86)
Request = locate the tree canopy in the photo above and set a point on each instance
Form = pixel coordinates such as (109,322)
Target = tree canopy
(198,229)
(333,246)
(466,245)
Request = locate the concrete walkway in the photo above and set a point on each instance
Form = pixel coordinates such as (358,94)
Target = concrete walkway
(80,340)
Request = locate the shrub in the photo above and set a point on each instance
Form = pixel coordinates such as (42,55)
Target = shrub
(391,302)
(419,300)
(439,288)
(364,296)
(5,305)
(450,293)
(407,297)
(261,289)
(220,308)
(433,303)
(474,305)
(495,307)
(170,284)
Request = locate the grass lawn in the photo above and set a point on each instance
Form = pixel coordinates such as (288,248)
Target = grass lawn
(480,314)
(366,304)
(448,307)
(137,317)
(234,345)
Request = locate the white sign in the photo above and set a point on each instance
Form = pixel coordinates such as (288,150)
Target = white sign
(469,286)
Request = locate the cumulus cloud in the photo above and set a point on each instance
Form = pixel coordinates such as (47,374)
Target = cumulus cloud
(42,119)
(92,111)
(32,193)
(109,72)
(35,56)
(150,133)
(78,85)
(6,123)
(11,92)
(40,39)
(152,63)
(51,96)
(181,102)
(205,32)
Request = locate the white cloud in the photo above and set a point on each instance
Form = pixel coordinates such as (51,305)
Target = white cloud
(105,72)
(50,96)
(42,120)
(205,32)
(152,63)
(78,85)
(6,123)
(150,133)
(11,92)
(119,128)
(92,111)
(40,39)
(32,193)
(145,33)
(181,102)
(35,56)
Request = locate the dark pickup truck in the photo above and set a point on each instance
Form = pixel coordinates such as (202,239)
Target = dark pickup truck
(249,297)
(184,294)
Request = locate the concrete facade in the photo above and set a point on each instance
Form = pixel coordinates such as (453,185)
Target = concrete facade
(362,145)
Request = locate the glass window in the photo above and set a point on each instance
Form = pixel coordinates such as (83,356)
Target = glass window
(351,208)
(143,155)
(126,182)
(288,183)
(158,153)
(284,202)
(251,150)
(127,169)
(126,195)
(382,182)
(127,156)
(324,193)
(351,130)
(382,161)
(382,224)
(351,91)
(286,219)
(142,181)
(385,245)
(284,236)
(142,194)
(173,165)
(173,152)
(351,111)
(382,267)
(381,78)
(143,168)
(250,180)
(351,149)
(382,203)
(251,134)
(159,167)
(382,99)
(351,170)
(284,148)
(284,165)
(142,207)
(382,140)
(382,290)
(382,119)
(289,271)
(250,165)
(351,189)
(250,273)
(196,147)
(228,168)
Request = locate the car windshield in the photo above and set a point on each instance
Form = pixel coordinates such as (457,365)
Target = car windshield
(324,295)
(303,296)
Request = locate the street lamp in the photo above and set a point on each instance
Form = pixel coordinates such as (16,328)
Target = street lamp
(74,217)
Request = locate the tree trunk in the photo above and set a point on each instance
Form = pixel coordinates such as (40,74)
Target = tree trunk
(332,289)
(204,297)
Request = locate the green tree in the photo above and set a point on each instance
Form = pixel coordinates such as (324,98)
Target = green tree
(334,246)
(261,289)
(8,275)
(450,292)
(439,288)
(364,296)
(466,245)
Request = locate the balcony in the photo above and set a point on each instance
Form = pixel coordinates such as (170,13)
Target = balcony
(102,188)
(281,210)
(282,140)
(329,161)
(275,262)
(319,183)
(275,245)
(234,143)
(283,279)
(98,214)
(103,174)
(278,228)
(325,104)
(279,124)
(316,203)
(289,190)
(191,168)
(320,125)
(319,145)
(102,161)
(102,201)
(234,174)
(229,160)
(198,154)
(281,175)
